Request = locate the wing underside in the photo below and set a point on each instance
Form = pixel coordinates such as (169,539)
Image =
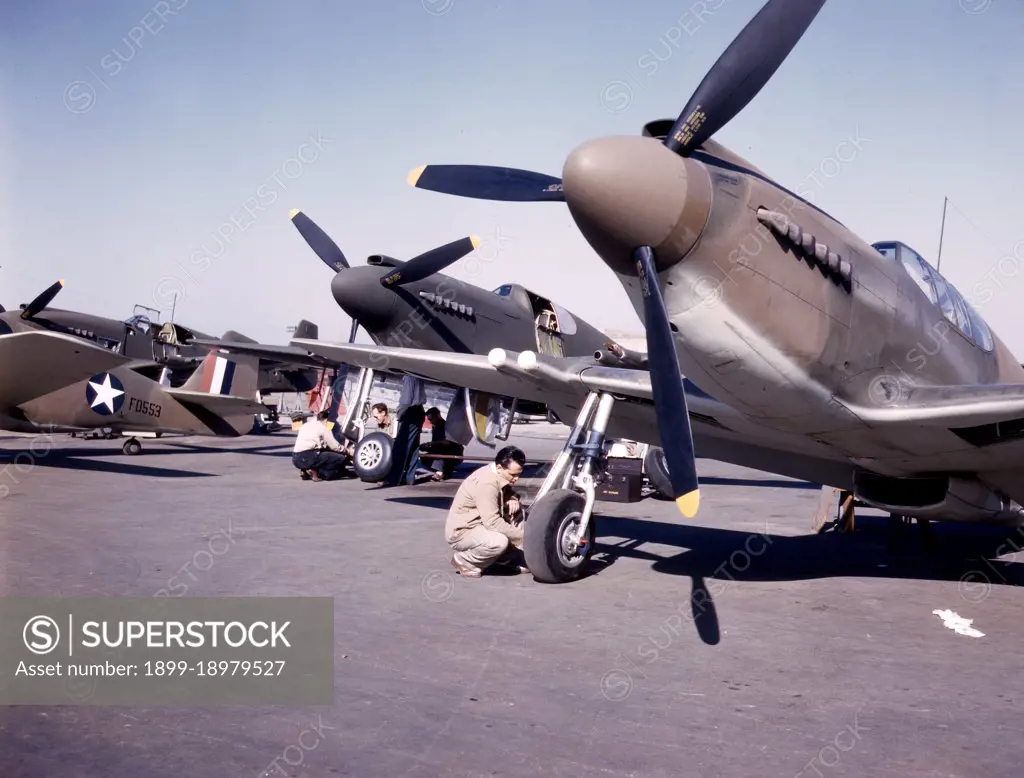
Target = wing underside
(563,385)
(34,364)
(284,355)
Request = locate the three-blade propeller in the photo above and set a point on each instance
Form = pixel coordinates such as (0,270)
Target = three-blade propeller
(733,81)
(43,299)
(415,269)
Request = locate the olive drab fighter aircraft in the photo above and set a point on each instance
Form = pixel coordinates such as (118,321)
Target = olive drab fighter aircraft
(818,356)
(158,351)
(410,303)
(53,382)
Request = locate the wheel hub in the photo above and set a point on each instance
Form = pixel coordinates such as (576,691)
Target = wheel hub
(569,545)
(370,455)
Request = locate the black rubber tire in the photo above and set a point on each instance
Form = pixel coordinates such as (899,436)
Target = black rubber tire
(657,473)
(542,537)
(372,457)
(132,447)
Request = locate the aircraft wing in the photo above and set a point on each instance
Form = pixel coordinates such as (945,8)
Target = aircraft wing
(502,373)
(285,355)
(563,383)
(36,363)
(952,407)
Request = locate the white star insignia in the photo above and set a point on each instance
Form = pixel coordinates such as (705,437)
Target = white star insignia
(105,393)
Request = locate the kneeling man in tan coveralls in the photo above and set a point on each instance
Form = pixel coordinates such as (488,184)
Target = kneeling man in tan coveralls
(485,522)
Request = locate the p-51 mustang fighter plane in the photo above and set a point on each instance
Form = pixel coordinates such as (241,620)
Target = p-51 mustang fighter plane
(51,382)
(412,304)
(818,356)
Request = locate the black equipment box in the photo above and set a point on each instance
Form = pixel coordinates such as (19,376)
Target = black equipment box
(620,487)
(624,466)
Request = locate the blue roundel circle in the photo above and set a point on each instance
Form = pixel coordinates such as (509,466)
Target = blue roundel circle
(104,393)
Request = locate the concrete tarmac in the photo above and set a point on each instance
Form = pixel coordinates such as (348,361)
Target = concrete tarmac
(736,644)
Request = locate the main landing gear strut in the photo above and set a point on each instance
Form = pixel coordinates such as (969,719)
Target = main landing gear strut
(559,533)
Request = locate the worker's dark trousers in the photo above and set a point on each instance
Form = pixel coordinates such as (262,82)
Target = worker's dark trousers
(442,447)
(327,464)
(405,454)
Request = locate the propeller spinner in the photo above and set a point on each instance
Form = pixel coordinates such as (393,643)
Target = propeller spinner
(733,81)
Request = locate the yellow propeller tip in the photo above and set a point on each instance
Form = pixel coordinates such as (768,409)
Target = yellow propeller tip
(414,176)
(475,241)
(689,503)
(61,282)
(293,213)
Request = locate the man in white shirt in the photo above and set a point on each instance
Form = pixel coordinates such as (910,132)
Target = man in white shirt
(317,454)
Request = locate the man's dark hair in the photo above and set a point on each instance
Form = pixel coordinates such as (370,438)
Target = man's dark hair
(322,415)
(508,455)
(434,412)
(380,407)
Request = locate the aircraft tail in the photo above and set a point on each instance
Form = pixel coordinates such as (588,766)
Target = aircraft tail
(306,330)
(223,393)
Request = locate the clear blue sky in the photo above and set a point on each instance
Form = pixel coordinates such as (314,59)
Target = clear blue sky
(114,183)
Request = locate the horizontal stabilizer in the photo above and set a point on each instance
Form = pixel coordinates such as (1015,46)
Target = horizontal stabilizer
(285,355)
(218,403)
(33,364)
(223,414)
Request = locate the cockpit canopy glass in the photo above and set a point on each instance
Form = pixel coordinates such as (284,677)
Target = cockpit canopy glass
(940,293)
(138,322)
(504,290)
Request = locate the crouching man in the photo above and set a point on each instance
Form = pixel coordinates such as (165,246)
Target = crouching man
(485,523)
(317,454)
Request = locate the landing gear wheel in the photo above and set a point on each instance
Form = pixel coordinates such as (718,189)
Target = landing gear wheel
(132,447)
(657,473)
(548,538)
(372,458)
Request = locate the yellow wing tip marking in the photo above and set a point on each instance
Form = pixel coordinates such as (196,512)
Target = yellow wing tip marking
(414,176)
(293,213)
(689,503)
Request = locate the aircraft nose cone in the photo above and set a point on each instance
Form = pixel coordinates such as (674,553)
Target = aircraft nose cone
(358,292)
(625,192)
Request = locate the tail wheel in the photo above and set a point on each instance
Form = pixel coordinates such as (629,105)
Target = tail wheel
(132,447)
(548,541)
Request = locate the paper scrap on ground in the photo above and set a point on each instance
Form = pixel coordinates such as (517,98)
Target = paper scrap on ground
(958,623)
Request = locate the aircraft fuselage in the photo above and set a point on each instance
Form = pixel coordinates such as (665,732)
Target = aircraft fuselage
(794,322)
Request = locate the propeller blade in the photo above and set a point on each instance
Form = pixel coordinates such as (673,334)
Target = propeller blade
(352,334)
(318,240)
(484,182)
(667,387)
(42,300)
(433,261)
(742,71)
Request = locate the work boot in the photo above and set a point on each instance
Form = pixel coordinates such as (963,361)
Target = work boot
(465,570)
(304,475)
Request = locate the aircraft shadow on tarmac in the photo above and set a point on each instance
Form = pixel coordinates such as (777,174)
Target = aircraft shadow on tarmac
(78,459)
(877,549)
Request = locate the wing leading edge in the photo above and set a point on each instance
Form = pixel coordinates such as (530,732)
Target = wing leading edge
(36,363)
